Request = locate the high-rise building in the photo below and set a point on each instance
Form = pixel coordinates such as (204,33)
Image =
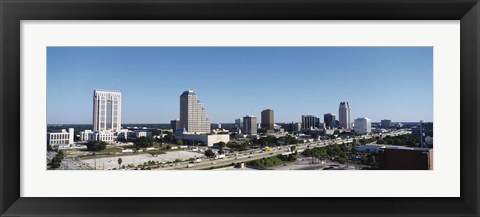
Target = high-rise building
(310,121)
(238,123)
(344,115)
(175,124)
(250,124)
(329,119)
(267,120)
(193,116)
(363,125)
(107,110)
(386,123)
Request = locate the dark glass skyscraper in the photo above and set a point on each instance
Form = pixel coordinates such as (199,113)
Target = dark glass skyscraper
(267,120)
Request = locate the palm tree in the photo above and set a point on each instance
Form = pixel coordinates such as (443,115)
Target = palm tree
(119,162)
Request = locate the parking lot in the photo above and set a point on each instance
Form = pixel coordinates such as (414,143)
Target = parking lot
(107,163)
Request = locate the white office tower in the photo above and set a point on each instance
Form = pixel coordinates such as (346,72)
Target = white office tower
(363,125)
(193,117)
(107,110)
(344,115)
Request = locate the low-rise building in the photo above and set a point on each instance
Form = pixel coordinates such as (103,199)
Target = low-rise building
(405,158)
(142,133)
(204,139)
(105,136)
(220,131)
(62,137)
(363,125)
(84,135)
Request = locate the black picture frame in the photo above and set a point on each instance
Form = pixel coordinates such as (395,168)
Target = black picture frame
(12,11)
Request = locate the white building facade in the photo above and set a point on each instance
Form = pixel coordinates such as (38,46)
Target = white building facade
(107,110)
(63,137)
(344,120)
(204,139)
(193,116)
(85,135)
(105,136)
(363,125)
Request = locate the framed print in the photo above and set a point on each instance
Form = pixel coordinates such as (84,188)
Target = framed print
(287,108)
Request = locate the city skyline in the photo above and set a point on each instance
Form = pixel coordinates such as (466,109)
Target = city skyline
(235,82)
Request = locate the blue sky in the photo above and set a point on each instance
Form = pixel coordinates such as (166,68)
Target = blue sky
(379,82)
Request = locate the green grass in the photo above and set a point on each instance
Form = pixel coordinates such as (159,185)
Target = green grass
(110,150)
(266,162)
(156,152)
(156,145)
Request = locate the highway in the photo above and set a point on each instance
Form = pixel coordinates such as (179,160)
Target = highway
(254,154)
(250,155)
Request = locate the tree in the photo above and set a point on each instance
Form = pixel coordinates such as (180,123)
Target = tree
(144,142)
(179,142)
(267,141)
(49,147)
(168,147)
(221,151)
(156,132)
(342,160)
(222,144)
(119,162)
(167,137)
(209,153)
(57,160)
(96,145)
